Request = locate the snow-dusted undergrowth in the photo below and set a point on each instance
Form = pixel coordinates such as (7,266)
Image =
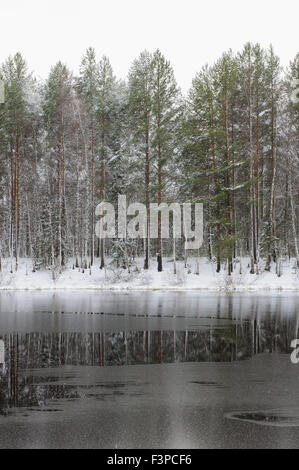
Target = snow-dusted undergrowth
(138,279)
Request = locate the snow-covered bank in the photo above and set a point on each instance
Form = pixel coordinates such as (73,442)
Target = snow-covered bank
(138,279)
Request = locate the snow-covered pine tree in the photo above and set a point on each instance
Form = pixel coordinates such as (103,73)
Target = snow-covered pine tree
(163,142)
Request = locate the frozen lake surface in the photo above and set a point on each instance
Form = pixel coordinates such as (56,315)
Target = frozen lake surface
(148,370)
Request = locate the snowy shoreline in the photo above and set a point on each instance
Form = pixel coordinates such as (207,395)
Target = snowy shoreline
(118,280)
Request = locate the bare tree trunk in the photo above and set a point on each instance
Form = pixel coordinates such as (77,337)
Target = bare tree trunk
(102,191)
(147,170)
(293,215)
(253,257)
(159,250)
(273,182)
(92,194)
(257,170)
(218,267)
(228,203)
(17,198)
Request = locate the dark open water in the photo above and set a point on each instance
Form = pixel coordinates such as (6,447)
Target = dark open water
(148,370)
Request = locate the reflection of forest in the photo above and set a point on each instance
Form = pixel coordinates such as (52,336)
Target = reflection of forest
(239,340)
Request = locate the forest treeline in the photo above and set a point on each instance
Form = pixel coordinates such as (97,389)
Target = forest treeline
(69,142)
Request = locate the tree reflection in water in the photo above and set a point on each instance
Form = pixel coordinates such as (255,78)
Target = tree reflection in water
(23,352)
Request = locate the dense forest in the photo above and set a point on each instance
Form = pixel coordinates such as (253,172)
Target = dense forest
(69,142)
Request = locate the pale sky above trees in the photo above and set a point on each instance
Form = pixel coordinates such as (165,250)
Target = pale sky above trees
(189,32)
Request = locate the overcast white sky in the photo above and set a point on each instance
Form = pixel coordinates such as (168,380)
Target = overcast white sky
(189,32)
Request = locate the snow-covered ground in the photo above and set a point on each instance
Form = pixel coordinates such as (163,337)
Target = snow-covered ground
(139,279)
